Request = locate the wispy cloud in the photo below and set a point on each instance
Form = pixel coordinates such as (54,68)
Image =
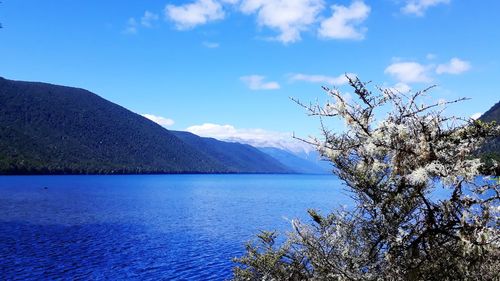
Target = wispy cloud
(454,66)
(399,87)
(257,82)
(162,121)
(197,13)
(290,18)
(131,26)
(210,45)
(255,137)
(419,7)
(345,22)
(149,18)
(318,78)
(431,56)
(409,72)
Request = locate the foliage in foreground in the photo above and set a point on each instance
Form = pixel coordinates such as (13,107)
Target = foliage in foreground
(398,230)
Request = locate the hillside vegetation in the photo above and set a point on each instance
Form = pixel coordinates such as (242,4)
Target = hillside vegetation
(491,150)
(50,129)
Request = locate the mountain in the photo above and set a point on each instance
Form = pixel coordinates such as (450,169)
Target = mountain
(491,150)
(235,156)
(301,163)
(47,128)
(493,114)
(316,158)
(284,142)
(301,157)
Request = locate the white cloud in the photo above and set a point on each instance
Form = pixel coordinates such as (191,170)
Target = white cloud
(148,19)
(197,13)
(254,137)
(165,122)
(476,116)
(413,72)
(344,22)
(455,66)
(256,82)
(409,72)
(210,45)
(131,26)
(316,78)
(418,7)
(400,87)
(289,17)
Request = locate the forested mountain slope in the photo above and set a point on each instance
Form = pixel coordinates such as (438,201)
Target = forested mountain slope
(48,129)
(491,150)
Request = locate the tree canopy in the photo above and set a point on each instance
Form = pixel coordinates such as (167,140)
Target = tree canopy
(392,167)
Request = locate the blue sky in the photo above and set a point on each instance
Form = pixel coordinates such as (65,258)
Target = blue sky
(237,62)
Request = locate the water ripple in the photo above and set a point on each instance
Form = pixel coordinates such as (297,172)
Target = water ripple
(143,227)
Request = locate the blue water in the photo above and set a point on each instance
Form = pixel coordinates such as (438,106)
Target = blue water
(165,227)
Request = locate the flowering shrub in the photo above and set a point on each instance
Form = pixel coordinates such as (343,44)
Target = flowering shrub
(396,231)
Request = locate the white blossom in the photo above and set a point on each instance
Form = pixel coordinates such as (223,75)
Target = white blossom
(419,176)
(391,169)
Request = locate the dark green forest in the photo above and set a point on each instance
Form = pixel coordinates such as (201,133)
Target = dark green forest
(491,151)
(50,129)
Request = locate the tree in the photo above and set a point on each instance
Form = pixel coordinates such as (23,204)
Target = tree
(397,229)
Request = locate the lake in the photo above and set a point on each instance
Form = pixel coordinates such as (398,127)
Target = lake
(151,227)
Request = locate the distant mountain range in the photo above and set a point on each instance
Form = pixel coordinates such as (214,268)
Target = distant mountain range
(305,163)
(235,156)
(50,129)
(289,144)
